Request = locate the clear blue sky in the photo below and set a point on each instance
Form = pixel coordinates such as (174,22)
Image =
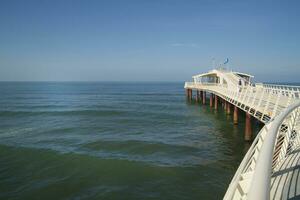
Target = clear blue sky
(147,40)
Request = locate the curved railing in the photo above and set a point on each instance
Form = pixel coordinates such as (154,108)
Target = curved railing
(277,139)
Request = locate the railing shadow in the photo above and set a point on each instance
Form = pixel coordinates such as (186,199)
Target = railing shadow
(285,181)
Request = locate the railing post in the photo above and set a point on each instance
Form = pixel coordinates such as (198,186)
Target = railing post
(245,96)
(255,96)
(267,105)
(260,100)
(276,104)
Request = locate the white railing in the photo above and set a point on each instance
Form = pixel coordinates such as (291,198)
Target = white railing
(279,138)
(263,101)
(285,90)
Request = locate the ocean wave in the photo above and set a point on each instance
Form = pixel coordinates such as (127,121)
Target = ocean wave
(139,147)
(62,112)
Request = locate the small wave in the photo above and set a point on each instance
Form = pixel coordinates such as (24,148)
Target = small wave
(139,147)
(65,112)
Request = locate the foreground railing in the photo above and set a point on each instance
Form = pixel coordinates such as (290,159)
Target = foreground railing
(263,101)
(273,144)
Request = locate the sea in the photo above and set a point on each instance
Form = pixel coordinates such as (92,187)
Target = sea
(114,140)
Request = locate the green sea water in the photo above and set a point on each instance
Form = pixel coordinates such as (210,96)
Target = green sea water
(106,140)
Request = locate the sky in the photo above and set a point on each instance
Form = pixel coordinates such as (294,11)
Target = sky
(153,40)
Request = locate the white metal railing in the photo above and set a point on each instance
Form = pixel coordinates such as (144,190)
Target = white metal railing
(276,140)
(285,90)
(263,101)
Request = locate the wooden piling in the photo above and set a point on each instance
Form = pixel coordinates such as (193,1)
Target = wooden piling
(201,96)
(211,100)
(228,108)
(248,128)
(204,98)
(235,115)
(216,102)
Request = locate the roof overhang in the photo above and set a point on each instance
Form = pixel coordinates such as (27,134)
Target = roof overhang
(243,74)
(205,74)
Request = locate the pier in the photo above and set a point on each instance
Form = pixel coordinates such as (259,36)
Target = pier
(270,169)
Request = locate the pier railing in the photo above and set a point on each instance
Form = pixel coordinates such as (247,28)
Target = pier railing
(279,138)
(262,101)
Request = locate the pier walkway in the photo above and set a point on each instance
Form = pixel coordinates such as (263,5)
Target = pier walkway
(271,167)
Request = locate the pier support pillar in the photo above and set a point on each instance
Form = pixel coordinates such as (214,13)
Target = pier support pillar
(248,128)
(228,108)
(225,105)
(201,96)
(197,96)
(211,100)
(235,115)
(191,95)
(204,98)
(216,102)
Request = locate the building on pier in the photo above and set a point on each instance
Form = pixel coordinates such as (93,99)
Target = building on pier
(223,77)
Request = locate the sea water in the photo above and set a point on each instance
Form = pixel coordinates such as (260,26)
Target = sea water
(113,140)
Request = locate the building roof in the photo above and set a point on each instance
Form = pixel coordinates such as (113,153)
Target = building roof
(211,73)
(243,74)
